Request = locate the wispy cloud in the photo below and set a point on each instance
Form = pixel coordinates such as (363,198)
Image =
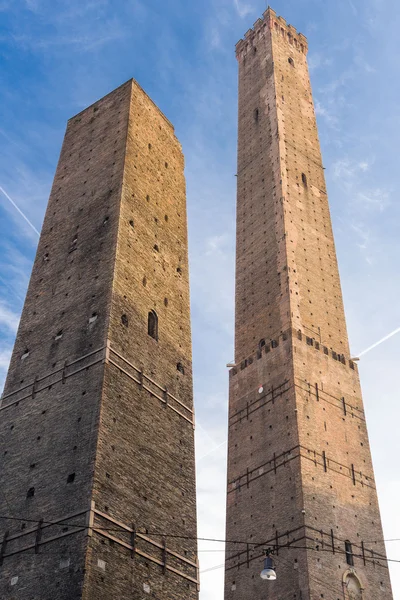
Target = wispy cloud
(243,8)
(316,60)
(351,176)
(324,111)
(8,319)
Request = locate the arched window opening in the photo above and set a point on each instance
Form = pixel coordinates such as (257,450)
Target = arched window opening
(349,553)
(291,61)
(180,368)
(304,179)
(261,344)
(152,325)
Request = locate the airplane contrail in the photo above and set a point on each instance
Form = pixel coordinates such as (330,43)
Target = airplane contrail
(19,210)
(389,335)
(211,451)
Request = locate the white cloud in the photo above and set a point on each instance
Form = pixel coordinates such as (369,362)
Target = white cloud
(243,9)
(5,356)
(317,60)
(8,319)
(323,111)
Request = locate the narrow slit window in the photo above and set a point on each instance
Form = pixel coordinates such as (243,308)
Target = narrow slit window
(261,344)
(291,61)
(256,114)
(304,179)
(152,325)
(349,553)
(180,368)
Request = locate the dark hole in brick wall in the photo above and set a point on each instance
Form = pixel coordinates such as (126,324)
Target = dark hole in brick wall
(32,465)
(105,220)
(166,165)
(180,368)
(291,62)
(144,281)
(131,223)
(71,478)
(166,217)
(58,335)
(165,301)
(156,248)
(256,114)
(261,344)
(149,146)
(124,320)
(326,351)
(179,270)
(152,324)
(304,179)
(148,198)
(30,493)
(274,344)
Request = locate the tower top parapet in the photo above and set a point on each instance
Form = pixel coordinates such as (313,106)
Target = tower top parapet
(275,23)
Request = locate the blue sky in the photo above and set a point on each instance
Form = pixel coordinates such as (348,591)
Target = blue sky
(58,57)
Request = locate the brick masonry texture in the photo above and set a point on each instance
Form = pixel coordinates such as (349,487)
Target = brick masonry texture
(97,415)
(299,465)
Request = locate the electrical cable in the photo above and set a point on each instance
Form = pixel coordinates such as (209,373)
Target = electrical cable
(185,537)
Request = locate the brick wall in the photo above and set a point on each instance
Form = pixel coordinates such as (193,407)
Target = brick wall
(96,417)
(300,475)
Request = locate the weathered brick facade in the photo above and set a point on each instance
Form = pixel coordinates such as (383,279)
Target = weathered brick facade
(300,476)
(96,419)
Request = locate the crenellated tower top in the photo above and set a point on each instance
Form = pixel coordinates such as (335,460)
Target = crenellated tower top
(279,26)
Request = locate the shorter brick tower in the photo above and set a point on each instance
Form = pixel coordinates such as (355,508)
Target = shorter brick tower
(96,419)
(300,475)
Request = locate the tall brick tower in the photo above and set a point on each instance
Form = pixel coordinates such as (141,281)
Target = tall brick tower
(300,476)
(96,419)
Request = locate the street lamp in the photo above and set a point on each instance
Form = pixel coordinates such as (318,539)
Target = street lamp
(268,571)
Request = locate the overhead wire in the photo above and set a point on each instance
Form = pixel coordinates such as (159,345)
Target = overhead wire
(317,548)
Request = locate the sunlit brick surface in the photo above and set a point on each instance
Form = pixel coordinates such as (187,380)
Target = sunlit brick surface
(97,416)
(300,476)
